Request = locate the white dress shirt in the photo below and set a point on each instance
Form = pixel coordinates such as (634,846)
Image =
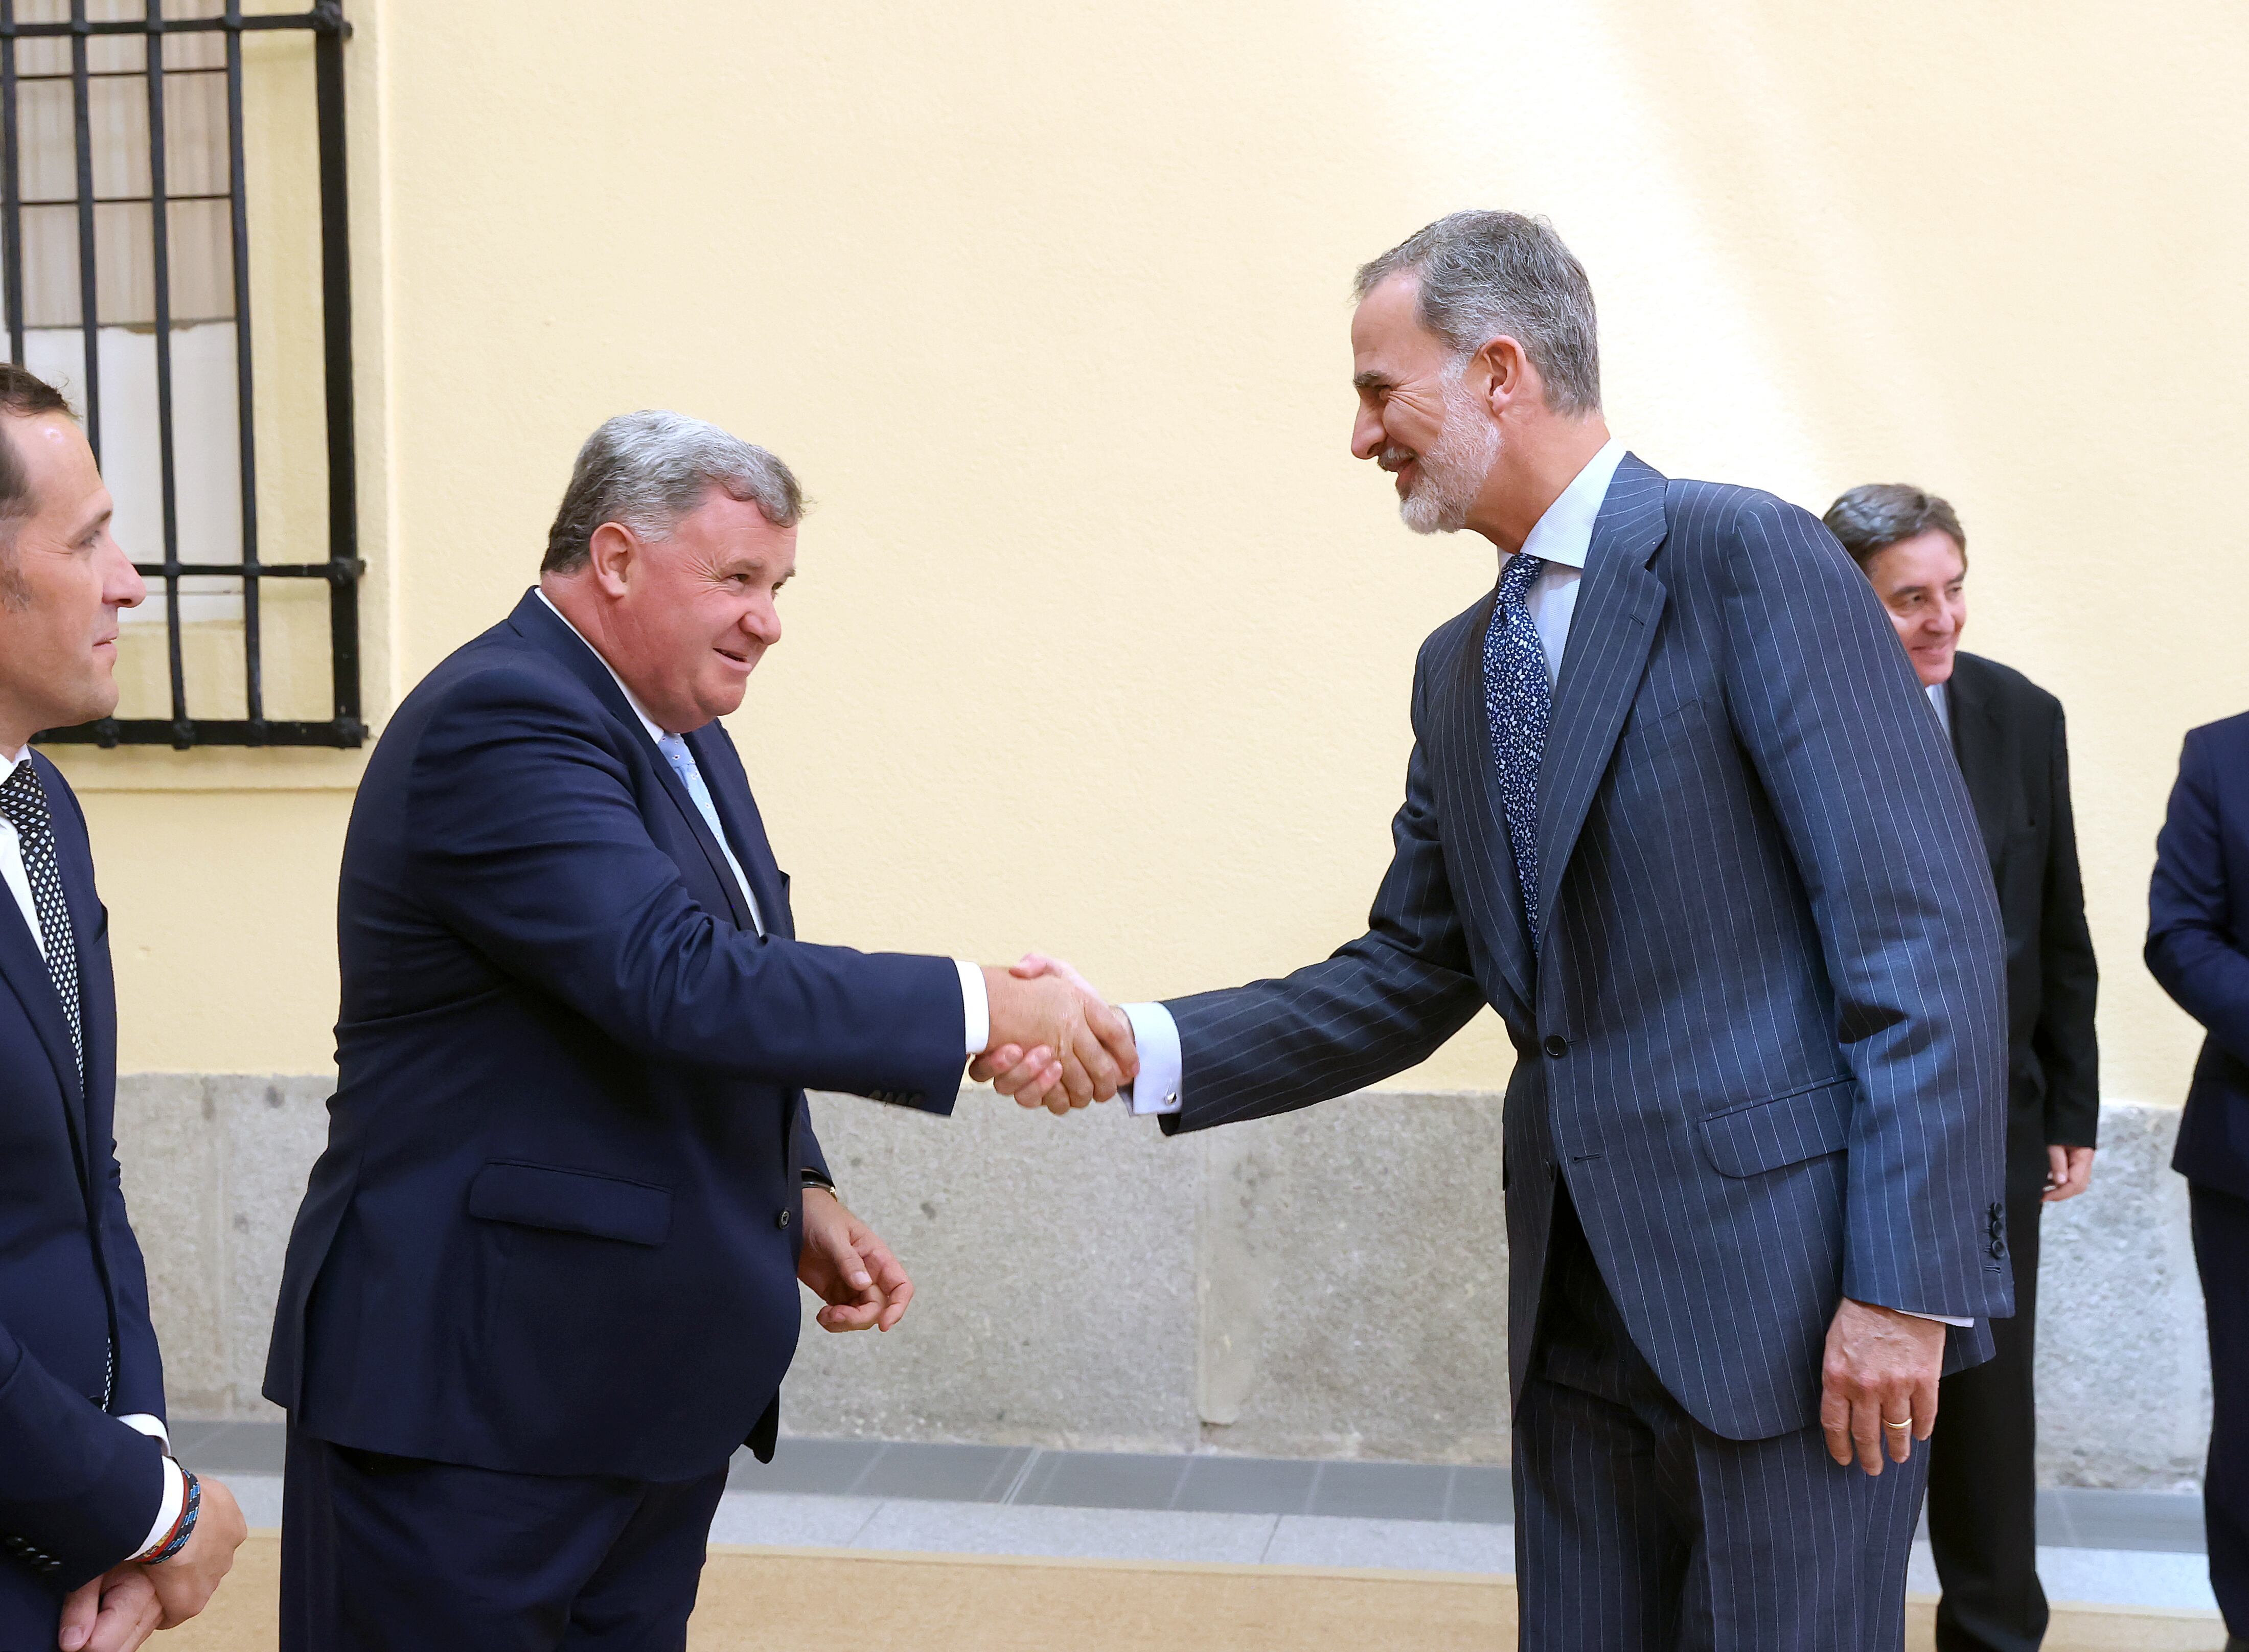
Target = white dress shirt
(1939,696)
(975,1003)
(19,885)
(1564,538)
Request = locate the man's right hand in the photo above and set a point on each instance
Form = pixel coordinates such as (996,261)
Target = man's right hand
(186,1582)
(1086,1046)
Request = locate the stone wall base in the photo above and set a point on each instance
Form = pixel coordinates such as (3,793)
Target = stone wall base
(1329,1283)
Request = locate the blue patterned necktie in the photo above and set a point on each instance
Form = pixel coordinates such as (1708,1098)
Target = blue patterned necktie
(1518,697)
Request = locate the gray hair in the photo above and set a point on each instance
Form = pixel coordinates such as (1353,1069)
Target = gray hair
(1486,274)
(1870,519)
(648,470)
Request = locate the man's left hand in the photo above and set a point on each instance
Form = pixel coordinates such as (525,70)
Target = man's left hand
(2069,1172)
(848,1267)
(1880,1372)
(113,1612)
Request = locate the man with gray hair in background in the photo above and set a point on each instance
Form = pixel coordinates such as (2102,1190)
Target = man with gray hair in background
(2009,736)
(1676,810)
(544,1282)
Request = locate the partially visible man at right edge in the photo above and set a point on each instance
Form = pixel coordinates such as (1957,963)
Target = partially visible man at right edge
(2198,948)
(2008,735)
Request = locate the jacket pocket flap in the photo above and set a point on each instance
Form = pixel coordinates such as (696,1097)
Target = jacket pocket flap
(1783,1130)
(572,1201)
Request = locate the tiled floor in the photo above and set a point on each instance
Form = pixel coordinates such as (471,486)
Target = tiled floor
(1126,1480)
(2127,1548)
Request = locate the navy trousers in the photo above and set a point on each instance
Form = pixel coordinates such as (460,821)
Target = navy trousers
(395,1554)
(2221,1255)
(31,1611)
(1638,1530)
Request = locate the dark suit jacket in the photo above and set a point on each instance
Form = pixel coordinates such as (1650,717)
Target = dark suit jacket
(2014,755)
(75,1483)
(556,1225)
(1763,1039)
(2198,946)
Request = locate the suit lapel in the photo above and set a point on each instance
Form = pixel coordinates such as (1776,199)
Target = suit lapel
(737,813)
(712,853)
(536,622)
(1977,739)
(1465,778)
(1611,632)
(24,969)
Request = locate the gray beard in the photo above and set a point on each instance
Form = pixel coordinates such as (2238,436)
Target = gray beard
(1452,471)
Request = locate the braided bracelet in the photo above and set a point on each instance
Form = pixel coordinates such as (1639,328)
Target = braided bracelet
(191,1506)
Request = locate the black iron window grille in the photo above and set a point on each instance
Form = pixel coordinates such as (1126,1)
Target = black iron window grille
(126,259)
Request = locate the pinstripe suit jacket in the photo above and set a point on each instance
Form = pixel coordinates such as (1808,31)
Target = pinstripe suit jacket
(1763,1038)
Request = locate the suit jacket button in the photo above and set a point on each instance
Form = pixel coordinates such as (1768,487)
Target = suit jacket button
(1555,1046)
(1997,1248)
(782,1221)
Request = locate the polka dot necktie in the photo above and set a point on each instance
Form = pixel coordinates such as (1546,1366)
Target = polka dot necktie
(23,805)
(1517,696)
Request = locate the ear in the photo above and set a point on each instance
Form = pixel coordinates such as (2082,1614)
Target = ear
(611,555)
(1509,377)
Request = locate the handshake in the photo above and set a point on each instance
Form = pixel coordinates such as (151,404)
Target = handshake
(1054,1042)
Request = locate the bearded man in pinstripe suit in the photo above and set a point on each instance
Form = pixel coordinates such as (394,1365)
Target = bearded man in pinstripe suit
(1678,810)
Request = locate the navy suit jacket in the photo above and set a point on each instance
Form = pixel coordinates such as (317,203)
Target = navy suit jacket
(2198,946)
(555,1228)
(1763,1039)
(75,1484)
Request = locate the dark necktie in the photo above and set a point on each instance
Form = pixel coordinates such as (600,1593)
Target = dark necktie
(24,804)
(1518,697)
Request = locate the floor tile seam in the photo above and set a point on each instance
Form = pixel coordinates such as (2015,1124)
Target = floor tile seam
(1272,1537)
(876,1505)
(866,1470)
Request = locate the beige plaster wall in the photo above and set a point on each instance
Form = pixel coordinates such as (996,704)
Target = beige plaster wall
(1102,641)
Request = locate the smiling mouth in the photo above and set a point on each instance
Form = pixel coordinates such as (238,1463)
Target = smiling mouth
(739,659)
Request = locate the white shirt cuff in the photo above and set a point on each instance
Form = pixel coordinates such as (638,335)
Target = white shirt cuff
(1156,1088)
(975,1006)
(141,1422)
(168,1508)
(1940,1319)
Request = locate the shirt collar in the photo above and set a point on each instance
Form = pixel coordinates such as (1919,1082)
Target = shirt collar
(1564,534)
(8,762)
(631,698)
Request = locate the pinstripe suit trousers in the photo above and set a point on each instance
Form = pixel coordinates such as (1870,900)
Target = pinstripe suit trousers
(1638,1529)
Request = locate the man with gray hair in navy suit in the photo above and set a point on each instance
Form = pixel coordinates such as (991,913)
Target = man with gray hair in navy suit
(1677,811)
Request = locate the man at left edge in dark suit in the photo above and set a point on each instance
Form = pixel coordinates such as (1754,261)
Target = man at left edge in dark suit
(104,1539)
(2009,735)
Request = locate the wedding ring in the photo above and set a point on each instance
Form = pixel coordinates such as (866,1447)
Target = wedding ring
(1907,1423)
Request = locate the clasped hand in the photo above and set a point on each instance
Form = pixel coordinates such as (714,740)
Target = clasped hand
(122,1607)
(1056,1041)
